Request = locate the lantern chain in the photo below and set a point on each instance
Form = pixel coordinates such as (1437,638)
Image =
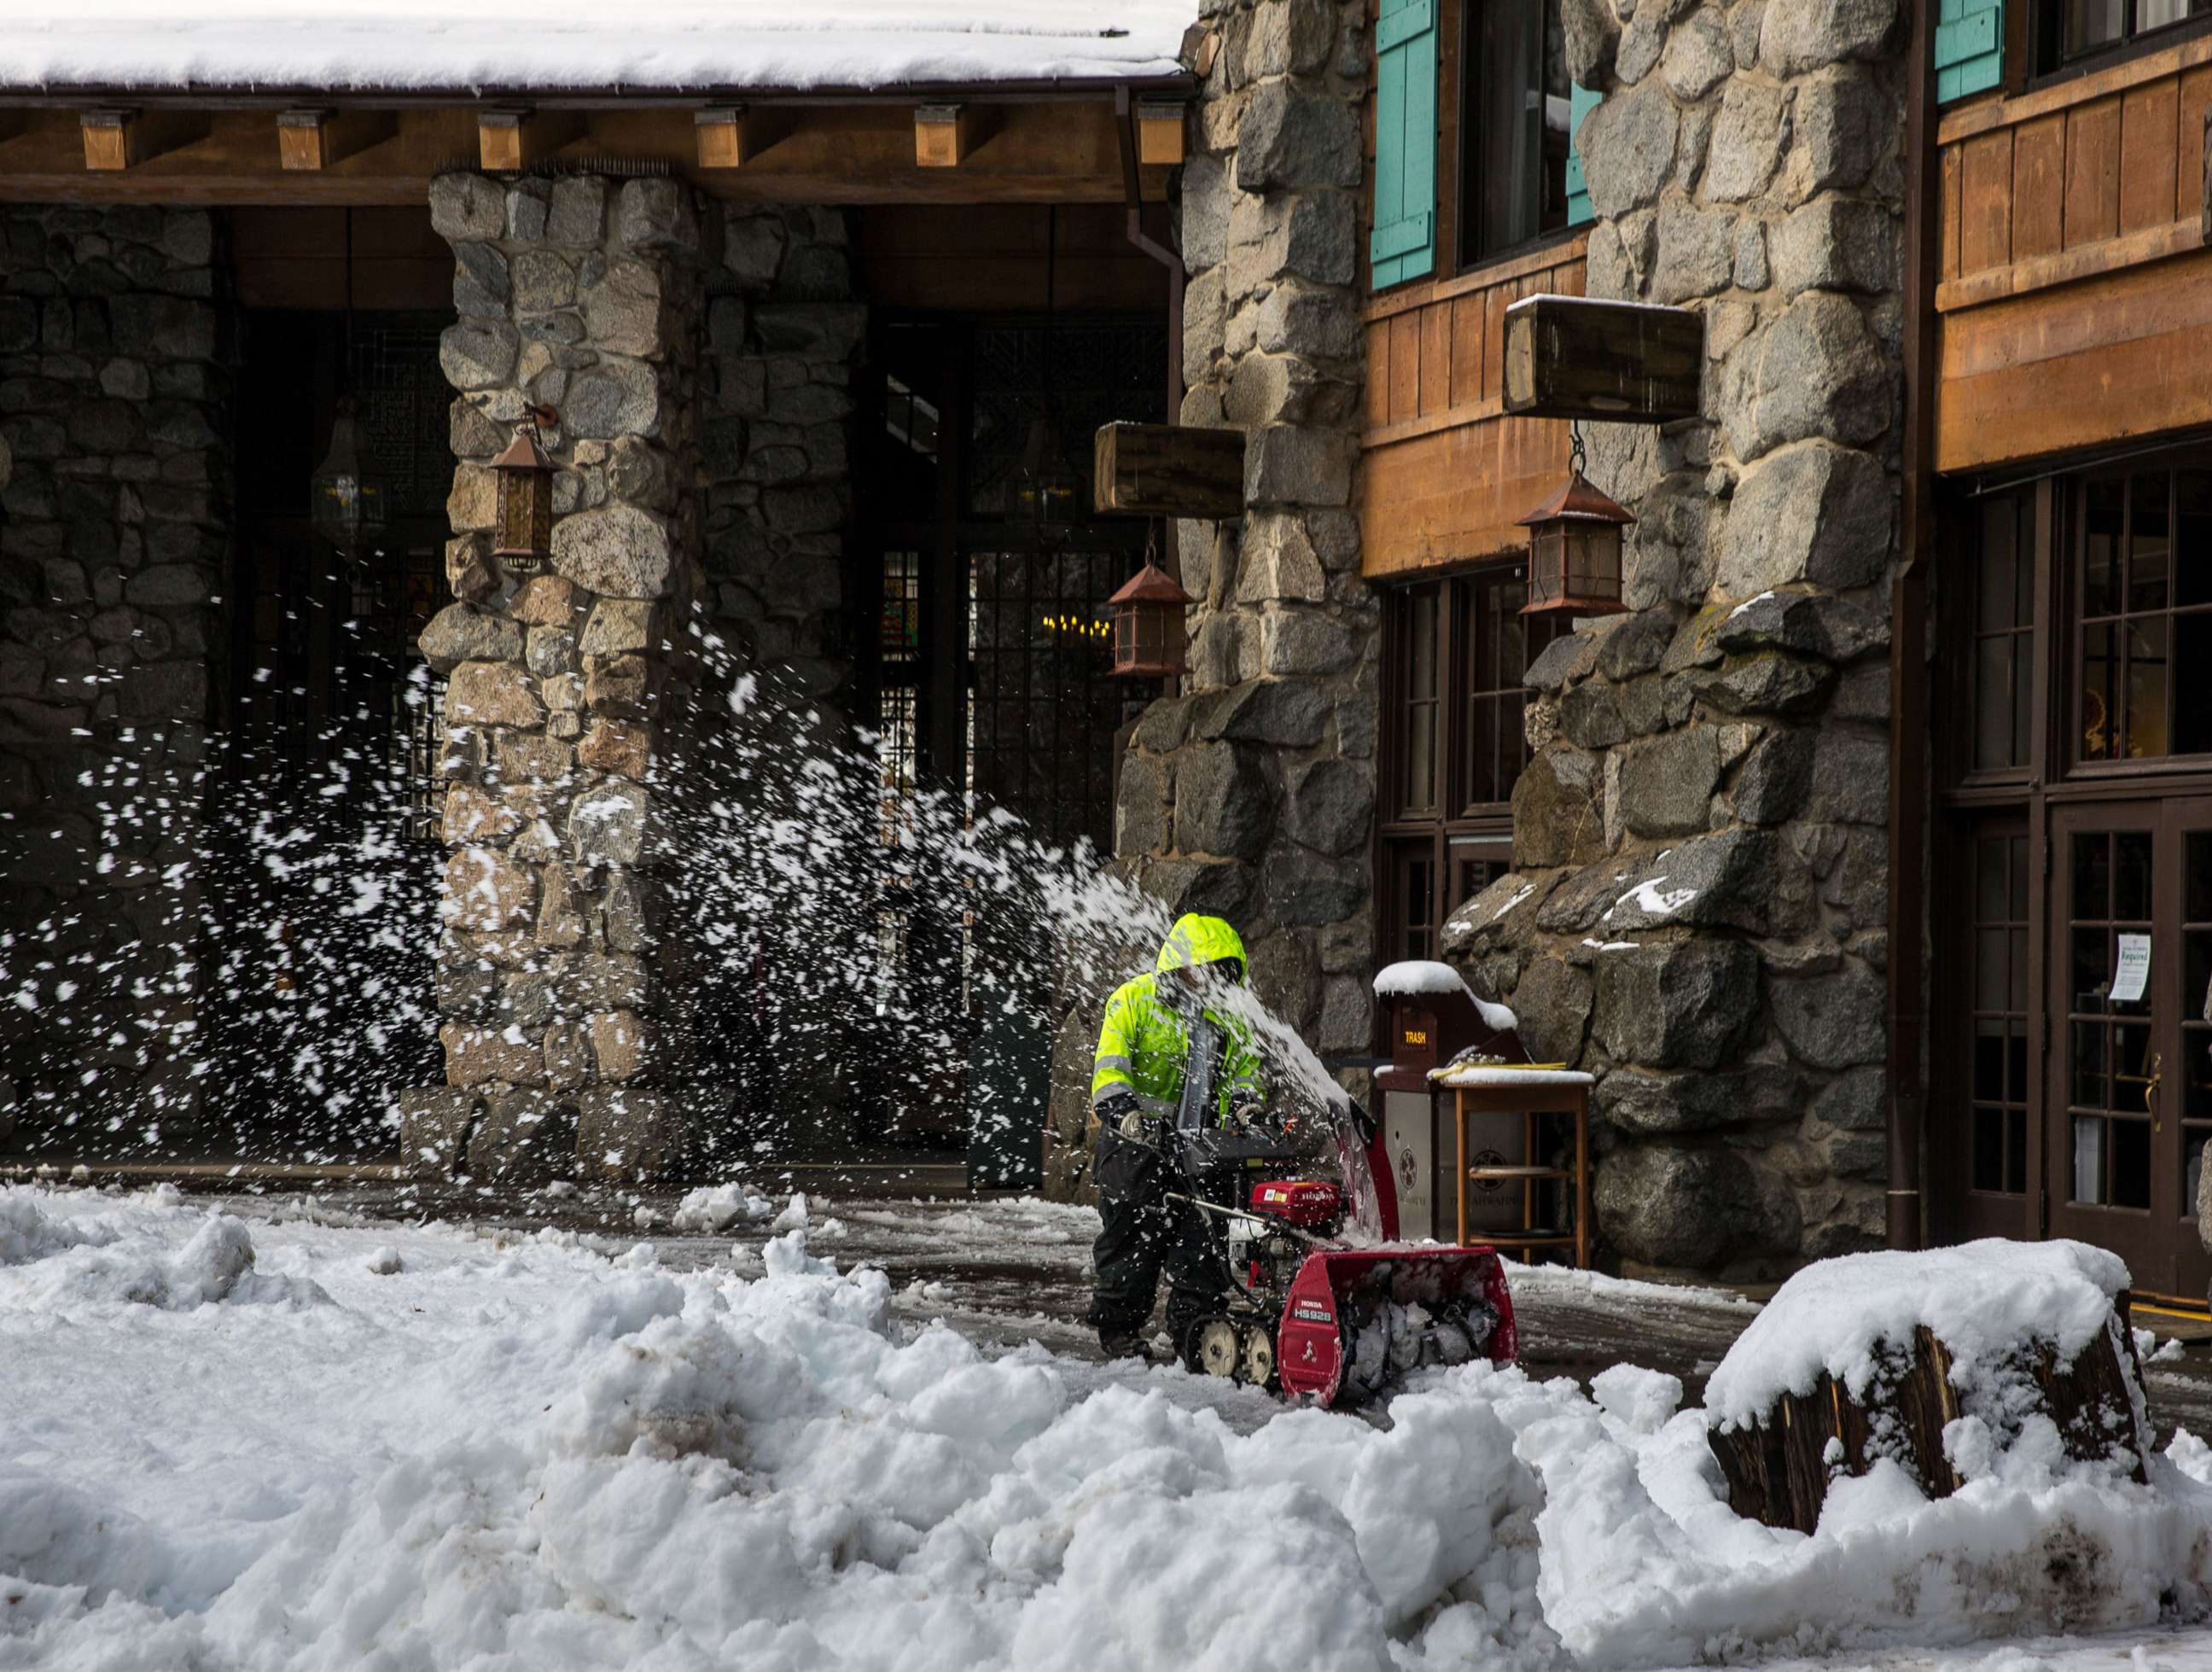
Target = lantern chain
(1576,457)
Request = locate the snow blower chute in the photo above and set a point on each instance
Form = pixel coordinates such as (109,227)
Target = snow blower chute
(1309,1314)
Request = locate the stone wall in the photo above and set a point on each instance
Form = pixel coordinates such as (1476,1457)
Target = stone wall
(1699,913)
(699,505)
(115,426)
(785,338)
(1251,794)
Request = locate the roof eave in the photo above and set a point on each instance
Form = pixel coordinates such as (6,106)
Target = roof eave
(75,96)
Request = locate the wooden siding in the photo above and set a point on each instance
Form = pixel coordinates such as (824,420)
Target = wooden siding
(2055,331)
(1444,473)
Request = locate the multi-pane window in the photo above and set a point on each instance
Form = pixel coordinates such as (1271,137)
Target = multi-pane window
(1516,114)
(1998,1086)
(2109,1114)
(2144,603)
(1423,669)
(1496,744)
(2003,581)
(2069,30)
(1414,928)
(2196,1017)
(1453,746)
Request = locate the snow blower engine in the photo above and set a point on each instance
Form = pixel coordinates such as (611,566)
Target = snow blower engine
(1321,1322)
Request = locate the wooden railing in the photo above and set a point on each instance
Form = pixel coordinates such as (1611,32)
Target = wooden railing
(2058,332)
(1444,472)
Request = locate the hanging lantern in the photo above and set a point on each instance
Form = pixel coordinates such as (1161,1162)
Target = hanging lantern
(526,499)
(1149,641)
(1049,484)
(1574,550)
(347,501)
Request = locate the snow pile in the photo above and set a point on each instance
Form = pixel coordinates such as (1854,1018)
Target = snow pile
(61,1260)
(660,45)
(529,1455)
(716,1208)
(1643,1563)
(1983,1300)
(28,1233)
(1414,977)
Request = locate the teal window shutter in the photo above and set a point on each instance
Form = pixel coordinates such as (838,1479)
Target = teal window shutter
(1969,47)
(1404,242)
(1582,102)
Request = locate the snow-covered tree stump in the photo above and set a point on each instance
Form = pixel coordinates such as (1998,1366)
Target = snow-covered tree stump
(1940,1363)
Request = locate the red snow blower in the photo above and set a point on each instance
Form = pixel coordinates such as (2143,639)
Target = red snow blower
(1317,1320)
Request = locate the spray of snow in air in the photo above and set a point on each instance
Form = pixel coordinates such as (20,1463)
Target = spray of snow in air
(258,977)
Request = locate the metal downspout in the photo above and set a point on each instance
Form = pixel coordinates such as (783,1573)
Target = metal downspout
(1908,660)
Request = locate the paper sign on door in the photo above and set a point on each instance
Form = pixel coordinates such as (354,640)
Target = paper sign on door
(2134,969)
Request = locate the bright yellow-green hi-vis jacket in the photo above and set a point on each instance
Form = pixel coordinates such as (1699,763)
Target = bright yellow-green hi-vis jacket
(1142,1043)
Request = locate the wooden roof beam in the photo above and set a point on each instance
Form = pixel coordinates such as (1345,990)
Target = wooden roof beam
(945,135)
(1048,151)
(1160,131)
(511,140)
(310,141)
(724,135)
(118,139)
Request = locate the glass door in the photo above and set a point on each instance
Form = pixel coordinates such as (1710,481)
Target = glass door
(2130,1094)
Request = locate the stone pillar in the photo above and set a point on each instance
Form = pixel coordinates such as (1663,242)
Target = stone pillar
(785,336)
(1698,916)
(1251,794)
(115,389)
(586,295)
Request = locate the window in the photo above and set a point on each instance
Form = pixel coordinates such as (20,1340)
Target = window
(2112,1056)
(2143,597)
(2002,667)
(1997,1083)
(1494,742)
(1457,653)
(1515,124)
(2067,31)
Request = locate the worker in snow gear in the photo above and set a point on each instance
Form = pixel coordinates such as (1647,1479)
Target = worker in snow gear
(1158,1027)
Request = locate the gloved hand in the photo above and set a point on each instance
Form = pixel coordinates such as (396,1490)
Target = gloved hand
(1120,1112)
(1246,1111)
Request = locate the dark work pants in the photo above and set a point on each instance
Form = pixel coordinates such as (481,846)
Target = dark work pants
(1140,1236)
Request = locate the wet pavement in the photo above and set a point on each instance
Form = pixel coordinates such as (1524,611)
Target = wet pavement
(1007,1270)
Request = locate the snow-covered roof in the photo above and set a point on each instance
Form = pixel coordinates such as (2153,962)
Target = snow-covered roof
(420,46)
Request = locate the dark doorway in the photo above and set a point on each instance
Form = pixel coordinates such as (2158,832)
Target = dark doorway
(321,904)
(2073,1076)
(989,674)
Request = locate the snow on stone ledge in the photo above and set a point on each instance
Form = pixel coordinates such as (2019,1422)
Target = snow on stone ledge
(1416,977)
(420,45)
(1983,1301)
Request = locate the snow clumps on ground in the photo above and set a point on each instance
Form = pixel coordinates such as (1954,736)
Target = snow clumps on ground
(515,1454)
(721,1208)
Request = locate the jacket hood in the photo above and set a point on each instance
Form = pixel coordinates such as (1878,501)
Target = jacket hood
(1195,940)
